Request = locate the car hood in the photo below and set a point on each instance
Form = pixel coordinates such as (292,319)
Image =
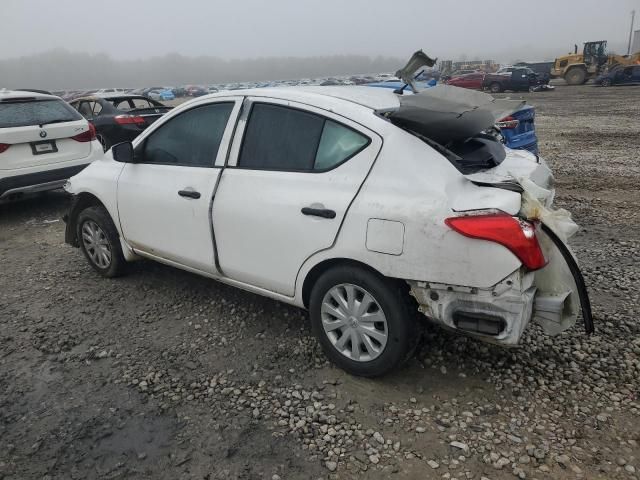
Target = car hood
(446,113)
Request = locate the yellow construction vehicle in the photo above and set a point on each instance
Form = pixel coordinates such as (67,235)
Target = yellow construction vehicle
(576,68)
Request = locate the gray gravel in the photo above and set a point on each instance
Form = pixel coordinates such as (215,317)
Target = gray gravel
(164,375)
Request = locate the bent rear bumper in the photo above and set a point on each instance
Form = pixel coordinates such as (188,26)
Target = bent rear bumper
(498,314)
(552,296)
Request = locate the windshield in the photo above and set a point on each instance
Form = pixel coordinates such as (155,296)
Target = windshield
(21,113)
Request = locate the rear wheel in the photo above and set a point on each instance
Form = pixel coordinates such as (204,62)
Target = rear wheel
(100,242)
(495,87)
(365,323)
(576,76)
(606,82)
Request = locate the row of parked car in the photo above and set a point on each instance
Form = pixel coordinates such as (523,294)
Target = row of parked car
(516,79)
(521,78)
(334,233)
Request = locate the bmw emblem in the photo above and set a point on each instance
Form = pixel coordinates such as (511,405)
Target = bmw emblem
(43,134)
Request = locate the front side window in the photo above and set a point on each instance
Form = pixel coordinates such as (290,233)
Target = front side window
(283,138)
(190,139)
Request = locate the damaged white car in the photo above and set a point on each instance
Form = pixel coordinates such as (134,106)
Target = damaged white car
(360,205)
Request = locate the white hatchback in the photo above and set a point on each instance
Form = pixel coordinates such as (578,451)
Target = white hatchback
(43,142)
(371,210)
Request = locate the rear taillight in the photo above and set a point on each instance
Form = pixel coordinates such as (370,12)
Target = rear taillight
(517,235)
(87,136)
(4,147)
(128,119)
(508,123)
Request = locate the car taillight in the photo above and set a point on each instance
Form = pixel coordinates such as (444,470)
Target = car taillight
(508,123)
(3,147)
(87,136)
(517,235)
(128,119)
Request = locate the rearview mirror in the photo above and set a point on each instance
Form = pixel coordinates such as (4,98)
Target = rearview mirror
(123,152)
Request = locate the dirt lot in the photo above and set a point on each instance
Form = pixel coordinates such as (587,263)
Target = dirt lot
(166,375)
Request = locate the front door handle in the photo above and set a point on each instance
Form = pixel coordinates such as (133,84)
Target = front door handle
(189,194)
(319,212)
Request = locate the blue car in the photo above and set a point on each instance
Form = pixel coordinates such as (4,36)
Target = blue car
(165,94)
(620,75)
(518,130)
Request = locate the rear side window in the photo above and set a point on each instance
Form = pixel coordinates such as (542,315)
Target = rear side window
(191,139)
(35,112)
(123,105)
(337,144)
(283,138)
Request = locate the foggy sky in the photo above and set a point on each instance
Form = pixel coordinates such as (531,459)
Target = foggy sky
(135,29)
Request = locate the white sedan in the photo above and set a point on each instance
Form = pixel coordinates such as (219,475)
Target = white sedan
(373,211)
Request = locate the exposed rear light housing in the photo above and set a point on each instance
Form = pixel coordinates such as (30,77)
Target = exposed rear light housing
(508,123)
(517,235)
(128,119)
(4,147)
(87,136)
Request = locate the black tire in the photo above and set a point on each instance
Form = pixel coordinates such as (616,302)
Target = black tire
(576,76)
(398,307)
(495,87)
(108,234)
(606,82)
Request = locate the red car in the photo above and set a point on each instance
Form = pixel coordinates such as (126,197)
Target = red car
(469,80)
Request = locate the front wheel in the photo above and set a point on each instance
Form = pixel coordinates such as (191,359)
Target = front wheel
(576,76)
(365,323)
(606,82)
(100,242)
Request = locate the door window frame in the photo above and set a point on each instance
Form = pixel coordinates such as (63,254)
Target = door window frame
(247,107)
(227,135)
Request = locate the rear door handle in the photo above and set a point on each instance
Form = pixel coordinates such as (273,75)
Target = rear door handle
(319,212)
(189,193)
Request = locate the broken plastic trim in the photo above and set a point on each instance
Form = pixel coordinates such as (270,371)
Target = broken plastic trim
(583,294)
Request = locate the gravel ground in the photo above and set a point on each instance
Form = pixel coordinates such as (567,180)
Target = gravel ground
(162,374)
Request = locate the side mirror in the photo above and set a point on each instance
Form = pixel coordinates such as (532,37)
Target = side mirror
(123,152)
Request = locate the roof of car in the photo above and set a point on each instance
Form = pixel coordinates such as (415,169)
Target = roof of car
(373,98)
(112,96)
(11,94)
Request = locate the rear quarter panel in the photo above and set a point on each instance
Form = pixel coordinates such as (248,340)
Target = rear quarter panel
(412,184)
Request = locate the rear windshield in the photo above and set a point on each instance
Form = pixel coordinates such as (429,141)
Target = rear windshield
(22,113)
(480,152)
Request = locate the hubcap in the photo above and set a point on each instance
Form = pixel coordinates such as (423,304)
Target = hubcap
(354,322)
(96,244)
